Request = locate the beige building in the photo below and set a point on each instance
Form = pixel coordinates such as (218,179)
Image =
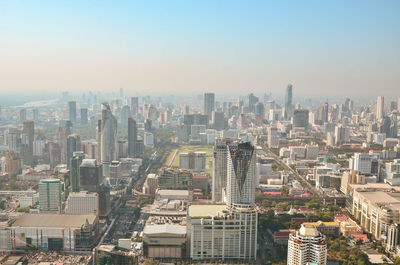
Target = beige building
(376,206)
(164,241)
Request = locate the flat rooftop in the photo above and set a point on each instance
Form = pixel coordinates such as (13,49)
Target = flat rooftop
(206,210)
(53,220)
(164,229)
(173,192)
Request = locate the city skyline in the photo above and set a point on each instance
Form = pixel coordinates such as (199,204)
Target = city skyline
(192,47)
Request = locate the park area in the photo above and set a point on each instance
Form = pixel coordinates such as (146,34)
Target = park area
(173,158)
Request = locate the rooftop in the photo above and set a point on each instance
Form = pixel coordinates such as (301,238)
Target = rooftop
(164,229)
(206,210)
(53,220)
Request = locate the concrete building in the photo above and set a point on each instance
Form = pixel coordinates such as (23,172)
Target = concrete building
(300,118)
(148,139)
(72,111)
(175,179)
(53,232)
(73,145)
(164,241)
(76,161)
(380,108)
(82,203)
(307,246)
(219,174)
(132,137)
(27,142)
(392,171)
(84,116)
(228,231)
(365,163)
(209,104)
(13,163)
(151,184)
(108,138)
(50,195)
(312,151)
(376,206)
(195,161)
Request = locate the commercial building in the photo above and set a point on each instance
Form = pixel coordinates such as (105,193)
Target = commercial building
(175,179)
(76,161)
(288,101)
(380,108)
(329,229)
(209,104)
(91,176)
(108,138)
(84,116)
(72,111)
(111,254)
(132,137)
(376,206)
(164,240)
(307,246)
(54,232)
(50,195)
(73,145)
(82,203)
(300,118)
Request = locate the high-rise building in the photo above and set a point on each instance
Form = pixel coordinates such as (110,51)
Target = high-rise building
(13,163)
(380,108)
(307,246)
(241,174)
(132,137)
(72,111)
(22,115)
(134,106)
(27,142)
(84,116)
(35,113)
(300,118)
(76,161)
(252,103)
(273,138)
(125,114)
(288,101)
(108,138)
(228,231)
(50,195)
(91,175)
(82,203)
(73,145)
(219,173)
(218,120)
(209,104)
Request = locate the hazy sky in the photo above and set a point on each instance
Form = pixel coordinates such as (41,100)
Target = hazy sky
(321,47)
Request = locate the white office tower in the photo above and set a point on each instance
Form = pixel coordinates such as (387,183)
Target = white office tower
(108,138)
(380,107)
(50,196)
(82,203)
(307,246)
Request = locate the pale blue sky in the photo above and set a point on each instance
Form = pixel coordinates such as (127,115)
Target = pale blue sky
(339,47)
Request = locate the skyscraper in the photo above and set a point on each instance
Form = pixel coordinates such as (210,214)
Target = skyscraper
(132,137)
(50,195)
(288,101)
(307,246)
(219,173)
(22,115)
(209,104)
(35,113)
(84,116)
(72,111)
(134,105)
(108,137)
(380,105)
(73,145)
(228,231)
(76,161)
(27,142)
(241,175)
(300,118)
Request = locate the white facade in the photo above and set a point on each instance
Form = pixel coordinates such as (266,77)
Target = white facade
(82,203)
(362,162)
(307,246)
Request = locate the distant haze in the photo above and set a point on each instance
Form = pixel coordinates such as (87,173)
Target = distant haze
(323,48)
